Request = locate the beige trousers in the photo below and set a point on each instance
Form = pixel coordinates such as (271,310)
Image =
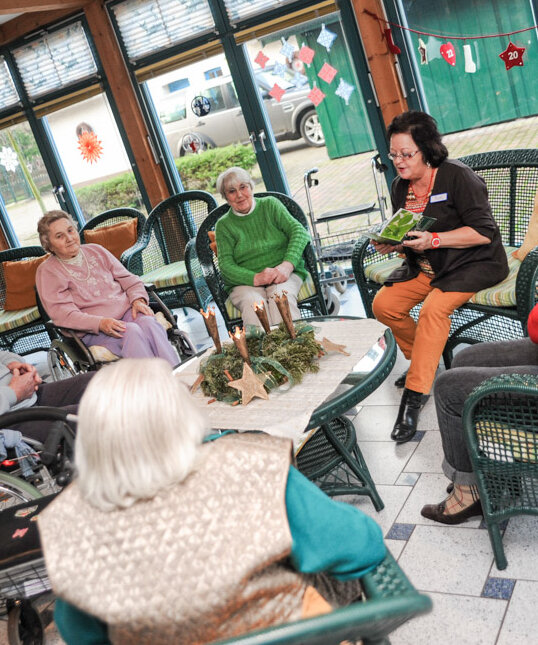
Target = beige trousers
(244,296)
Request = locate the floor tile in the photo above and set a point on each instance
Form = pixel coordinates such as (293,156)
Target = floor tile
(430,489)
(455,620)
(519,626)
(428,456)
(436,558)
(498,588)
(407,479)
(401,531)
(386,459)
(395,547)
(520,542)
(393,497)
(374,422)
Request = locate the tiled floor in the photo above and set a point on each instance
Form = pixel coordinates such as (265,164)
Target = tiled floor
(473,602)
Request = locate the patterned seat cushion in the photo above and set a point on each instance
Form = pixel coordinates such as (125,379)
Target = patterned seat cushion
(170,275)
(10,320)
(504,443)
(500,295)
(308,289)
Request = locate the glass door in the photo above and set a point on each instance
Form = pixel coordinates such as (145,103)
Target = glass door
(94,157)
(24,183)
(203,123)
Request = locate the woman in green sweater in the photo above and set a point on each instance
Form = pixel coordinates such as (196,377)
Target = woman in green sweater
(260,247)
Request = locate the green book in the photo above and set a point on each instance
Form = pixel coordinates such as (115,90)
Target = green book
(398,226)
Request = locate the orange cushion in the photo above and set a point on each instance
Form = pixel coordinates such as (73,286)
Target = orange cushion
(20,282)
(212,241)
(116,238)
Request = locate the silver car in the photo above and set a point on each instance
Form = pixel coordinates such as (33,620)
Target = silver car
(292,117)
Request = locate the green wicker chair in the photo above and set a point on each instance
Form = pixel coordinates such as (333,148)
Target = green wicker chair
(159,256)
(114,216)
(500,420)
(21,331)
(512,180)
(391,600)
(204,274)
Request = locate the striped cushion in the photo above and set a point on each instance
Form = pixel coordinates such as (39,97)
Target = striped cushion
(307,290)
(169,275)
(507,444)
(504,293)
(380,271)
(500,295)
(12,319)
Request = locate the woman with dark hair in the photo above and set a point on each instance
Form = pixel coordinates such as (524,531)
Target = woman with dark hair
(461,254)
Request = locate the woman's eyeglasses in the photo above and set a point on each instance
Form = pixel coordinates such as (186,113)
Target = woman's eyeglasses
(233,190)
(402,155)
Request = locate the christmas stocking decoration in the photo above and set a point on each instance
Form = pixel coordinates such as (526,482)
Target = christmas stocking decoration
(470,65)
(394,49)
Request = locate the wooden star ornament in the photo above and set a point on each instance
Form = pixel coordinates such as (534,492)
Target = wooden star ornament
(249,385)
(329,346)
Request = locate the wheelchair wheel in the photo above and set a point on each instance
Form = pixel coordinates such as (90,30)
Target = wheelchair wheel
(183,344)
(331,300)
(24,625)
(341,284)
(60,364)
(15,491)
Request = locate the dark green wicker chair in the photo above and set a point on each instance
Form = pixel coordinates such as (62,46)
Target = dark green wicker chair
(512,180)
(391,600)
(22,331)
(500,419)
(205,276)
(159,256)
(114,216)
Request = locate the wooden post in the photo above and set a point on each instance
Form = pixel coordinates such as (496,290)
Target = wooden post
(126,100)
(387,85)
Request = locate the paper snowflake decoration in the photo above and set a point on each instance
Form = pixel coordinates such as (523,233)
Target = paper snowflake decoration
(90,147)
(344,90)
(316,96)
(326,38)
(261,59)
(287,49)
(327,73)
(279,69)
(277,92)
(306,54)
(8,159)
(299,79)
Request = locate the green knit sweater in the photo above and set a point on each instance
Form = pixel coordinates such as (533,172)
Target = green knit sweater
(266,237)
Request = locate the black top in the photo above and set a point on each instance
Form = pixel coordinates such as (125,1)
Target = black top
(459,198)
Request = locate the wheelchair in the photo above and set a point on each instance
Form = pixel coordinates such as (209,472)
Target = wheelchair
(25,593)
(68,355)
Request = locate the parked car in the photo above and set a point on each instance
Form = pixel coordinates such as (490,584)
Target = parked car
(292,117)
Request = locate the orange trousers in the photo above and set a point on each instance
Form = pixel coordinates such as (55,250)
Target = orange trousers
(423,341)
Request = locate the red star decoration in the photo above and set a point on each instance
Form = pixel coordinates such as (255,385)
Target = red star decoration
(316,96)
(306,54)
(261,59)
(90,147)
(327,73)
(512,56)
(277,92)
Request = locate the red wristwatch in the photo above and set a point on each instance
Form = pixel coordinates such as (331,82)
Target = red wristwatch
(436,241)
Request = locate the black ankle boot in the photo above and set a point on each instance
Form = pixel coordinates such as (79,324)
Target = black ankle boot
(400,381)
(407,420)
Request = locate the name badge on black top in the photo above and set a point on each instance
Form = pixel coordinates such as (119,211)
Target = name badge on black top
(441,197)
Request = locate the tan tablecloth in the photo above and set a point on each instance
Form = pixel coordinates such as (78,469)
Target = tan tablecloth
(287,413)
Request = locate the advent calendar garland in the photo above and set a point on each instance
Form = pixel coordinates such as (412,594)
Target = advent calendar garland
(512,56)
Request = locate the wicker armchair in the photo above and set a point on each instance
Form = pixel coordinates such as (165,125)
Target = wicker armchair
(512,180)
(205,276)
(391,600)
(23,330)
(500,420)
(159,256)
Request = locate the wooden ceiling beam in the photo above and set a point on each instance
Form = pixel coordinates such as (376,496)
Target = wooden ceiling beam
(24,6)
(33,21)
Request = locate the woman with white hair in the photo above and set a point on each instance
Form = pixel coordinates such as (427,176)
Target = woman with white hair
(163,539)
(260,247)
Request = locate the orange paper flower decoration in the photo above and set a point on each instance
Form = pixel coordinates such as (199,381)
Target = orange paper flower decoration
(90,147)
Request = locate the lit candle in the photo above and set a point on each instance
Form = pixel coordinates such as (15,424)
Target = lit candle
(284,308)
(240,340)
(211,326)
(259,309)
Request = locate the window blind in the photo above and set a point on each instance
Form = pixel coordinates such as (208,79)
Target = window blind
(55,60)
(8,93)
(149,25)
(240,9)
